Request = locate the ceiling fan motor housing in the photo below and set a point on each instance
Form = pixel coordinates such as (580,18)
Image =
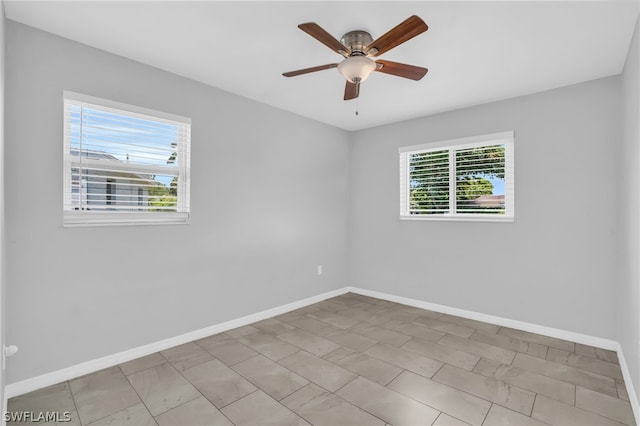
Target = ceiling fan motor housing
(356,41)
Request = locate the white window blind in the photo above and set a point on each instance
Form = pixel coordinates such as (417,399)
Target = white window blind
(463,179)
(124,164)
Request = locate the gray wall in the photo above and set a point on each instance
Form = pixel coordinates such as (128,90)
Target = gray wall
(629,294)
(269,203)
(3,269)
(555,265)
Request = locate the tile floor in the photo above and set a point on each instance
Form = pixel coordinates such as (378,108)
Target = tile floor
(350,360)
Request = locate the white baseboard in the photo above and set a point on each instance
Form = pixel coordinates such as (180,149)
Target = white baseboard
(505,322)
(48,379)
(626,375)
(54,377)
(584,339)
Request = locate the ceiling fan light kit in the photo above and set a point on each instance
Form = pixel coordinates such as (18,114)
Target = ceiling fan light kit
(358,47)
(356,69)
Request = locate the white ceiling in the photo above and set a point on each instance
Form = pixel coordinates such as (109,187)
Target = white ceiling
(476,52)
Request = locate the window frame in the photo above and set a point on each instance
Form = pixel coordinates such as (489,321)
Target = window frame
(73,218)
(452,145)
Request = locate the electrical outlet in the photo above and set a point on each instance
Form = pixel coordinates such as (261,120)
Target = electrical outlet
(319,269)
(6,352)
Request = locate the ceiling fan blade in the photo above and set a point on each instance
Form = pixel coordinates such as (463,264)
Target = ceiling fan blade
(317,32)
(308,70)
(351,90)
(401,70)
(406,30)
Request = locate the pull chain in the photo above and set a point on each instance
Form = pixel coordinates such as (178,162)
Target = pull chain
(357,100)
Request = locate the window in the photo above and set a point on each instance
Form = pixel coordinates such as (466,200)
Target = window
(110,192)
(124,164)
(478,170)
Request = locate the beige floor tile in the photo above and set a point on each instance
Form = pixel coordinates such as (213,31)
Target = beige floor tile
(197,412)
(386,310)
(380,308)
(269,346)
(597,353)
(537,338)
(351,340)
(251,409)
(484,327)
(430,314)
(138,415)
(290,316)
(143,363)
(334,319)
(230,352)
(566,373)
(218,383)
(370,318)
(313,326)
(316,345)
(604,405)
(622,390)
(306,310)
(438,369)
(414,330)
(375,308)
(370,368)
(458,404)
(275,380)
(349,299)
(496,353)
(381,334)
(488,388)
(417,311)
(446,420)
(241,331)
(321,408)
(374,301)
(331,306)
(338,354)
(562,391)
(401,314)
(585,363)
(559,414)
(386,404)
(102,393)
(162,388)
(317,370)
(500,416)
(214,340)
(56,398)
(406,359)
(446,327)
(186,356)
(443,353)
(273,326)
(511,343)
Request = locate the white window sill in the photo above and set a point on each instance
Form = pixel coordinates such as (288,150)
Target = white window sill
(458,218)
(78,219)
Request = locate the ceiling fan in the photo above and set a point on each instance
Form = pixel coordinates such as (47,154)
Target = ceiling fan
(358,47)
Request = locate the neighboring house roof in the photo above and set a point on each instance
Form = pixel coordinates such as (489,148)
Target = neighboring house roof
(489,200)
(97,155)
